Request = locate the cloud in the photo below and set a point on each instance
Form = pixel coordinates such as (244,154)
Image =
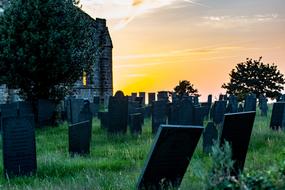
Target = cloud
(124,11)
(227,22)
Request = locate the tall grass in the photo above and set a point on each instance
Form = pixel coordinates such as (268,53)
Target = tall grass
(115,162)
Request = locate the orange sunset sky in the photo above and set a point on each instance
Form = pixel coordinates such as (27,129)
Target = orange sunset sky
(159,42)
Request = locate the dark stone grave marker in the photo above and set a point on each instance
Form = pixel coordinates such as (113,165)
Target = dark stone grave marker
(133,96)
(278,116)
(210,135)
(237,130)
(218,111)
(79,138)
(19,148)
(162,95)
(104,119)
(263,105)
(135,123)
(159,114)
(118,113)
(250,102)
(85,113)
(73,111)
(232,106)
(196,100)
(142,94)
(181,113)
(96,100)
(169,158)
(151,98)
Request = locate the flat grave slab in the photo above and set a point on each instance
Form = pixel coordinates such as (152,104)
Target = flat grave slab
(169,158)
(237,130)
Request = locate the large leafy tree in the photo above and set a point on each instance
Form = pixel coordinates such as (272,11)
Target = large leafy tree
(185,88)
(253,76)
(45,45)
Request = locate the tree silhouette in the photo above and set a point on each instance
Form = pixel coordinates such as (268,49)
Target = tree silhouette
(185,88)
(253,76)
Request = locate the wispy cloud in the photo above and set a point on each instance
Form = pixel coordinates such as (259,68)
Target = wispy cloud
(124,11)
(228,22)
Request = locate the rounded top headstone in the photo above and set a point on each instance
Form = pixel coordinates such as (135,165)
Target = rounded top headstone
(119,94)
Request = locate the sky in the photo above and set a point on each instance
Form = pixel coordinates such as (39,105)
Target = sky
(157,43)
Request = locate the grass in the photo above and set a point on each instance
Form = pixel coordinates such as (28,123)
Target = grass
(116,161)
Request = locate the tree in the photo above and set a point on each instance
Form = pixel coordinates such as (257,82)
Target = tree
(185,88)
(45,45)
(253,76)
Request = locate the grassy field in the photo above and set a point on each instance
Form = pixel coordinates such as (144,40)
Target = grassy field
(116,161)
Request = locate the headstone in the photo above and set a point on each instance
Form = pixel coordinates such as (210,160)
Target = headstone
(85,113)
(133,96)
(73,110)
(142,95)
(96,100)
(46,112)
(199,114)
(210,135)
(140,101)
(135,124)
(147,111)
(118,113)
(250,102)
(263,105)
(278,116)
(181,113)
(237,130)
(221,97)
(169,158)
(232,106)
(79,136)
(240,108)
(218,111)
(159,114)
(163,95)
(151,98)
(19,148)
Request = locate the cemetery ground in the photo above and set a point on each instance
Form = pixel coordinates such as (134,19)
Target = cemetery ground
(116,162)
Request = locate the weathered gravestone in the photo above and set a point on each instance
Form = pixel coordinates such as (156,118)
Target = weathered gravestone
(46,112)
(85,113)
(181,113)
(169,157)
(79,138)
(278,116)
(118,113)
(250,102)
(135,123)
(237,130)
(19,148)
(94,108)
(232,106)
(240,108)
(199,115)
(151,97)
(196,100)
(147,111)
(263,105)
(218,111)
(159,114)
(210,135)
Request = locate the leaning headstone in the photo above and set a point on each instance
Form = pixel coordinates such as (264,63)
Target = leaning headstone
(159,114)
(19,148)
(250,102)
(169,158)
(151,98)
(218,111)
(210,135)
(278,116)
(118,113)
(135,124)
(263,105)
(79,138)
(237,130)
